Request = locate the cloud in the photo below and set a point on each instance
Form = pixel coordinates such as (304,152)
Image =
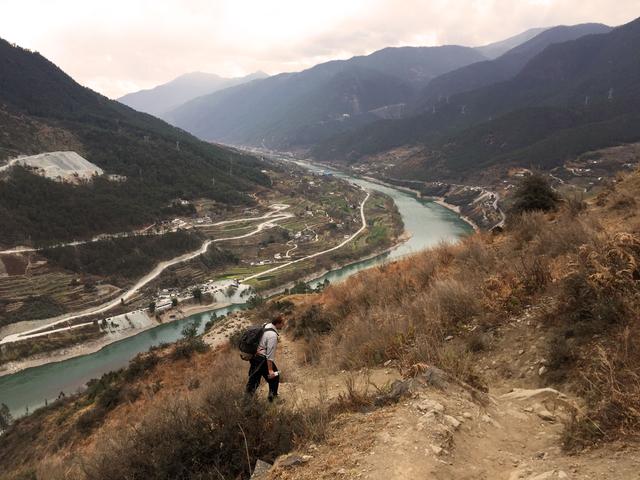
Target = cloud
(123,45)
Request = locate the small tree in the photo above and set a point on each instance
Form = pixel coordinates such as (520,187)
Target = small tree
(152,307)
(5,417)
(197,294)
(190,342)
(231,290)
(190,331)
(255,301)
(534,193)
(174,302)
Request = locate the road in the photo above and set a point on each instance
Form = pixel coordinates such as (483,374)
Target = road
(137,233)
(317,254)
(275,215)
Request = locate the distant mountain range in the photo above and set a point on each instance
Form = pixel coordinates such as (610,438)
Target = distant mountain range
(571,97)
(160,100)
(43,109)
(494,50)
(306,107)
(502,68)
(343,110)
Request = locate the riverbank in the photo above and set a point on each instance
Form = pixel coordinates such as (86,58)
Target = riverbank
(168,316)
(439,200)
(426,224)
(454,208)
(173,315)
(94,346)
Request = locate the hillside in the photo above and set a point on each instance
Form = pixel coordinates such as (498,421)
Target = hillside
(504,67)
(570,98)
(158,101)
(506,356)
(302,108)
(43,109)
(496,49)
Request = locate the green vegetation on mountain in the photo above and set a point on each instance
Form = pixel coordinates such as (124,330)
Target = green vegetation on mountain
(572,97)
(123,258)
(304,108)
(41,108)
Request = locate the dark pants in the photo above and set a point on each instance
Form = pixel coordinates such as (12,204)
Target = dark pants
(258,369)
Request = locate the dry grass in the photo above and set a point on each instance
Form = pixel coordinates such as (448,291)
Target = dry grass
(599,308)
(575,264)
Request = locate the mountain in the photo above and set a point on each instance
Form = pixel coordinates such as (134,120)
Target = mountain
(302,108)
(504,67)
(494,50)
(159,100)
(43,109)
(570,98)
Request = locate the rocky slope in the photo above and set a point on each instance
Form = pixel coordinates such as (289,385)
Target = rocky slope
(498,358)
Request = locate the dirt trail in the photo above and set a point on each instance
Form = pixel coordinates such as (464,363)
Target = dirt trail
(446,433)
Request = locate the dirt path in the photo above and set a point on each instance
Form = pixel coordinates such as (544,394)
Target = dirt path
(445,432)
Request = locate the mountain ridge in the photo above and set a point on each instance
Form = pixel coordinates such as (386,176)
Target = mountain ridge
(561,91)
(161,99)
(271,111)
(43,109)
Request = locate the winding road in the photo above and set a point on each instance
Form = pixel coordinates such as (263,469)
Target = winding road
(275,215)
(136,233)
(317,254)
(270,218)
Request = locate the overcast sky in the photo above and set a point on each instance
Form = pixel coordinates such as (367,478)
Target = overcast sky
(119,46)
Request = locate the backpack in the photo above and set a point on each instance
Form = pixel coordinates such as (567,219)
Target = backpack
(250,339)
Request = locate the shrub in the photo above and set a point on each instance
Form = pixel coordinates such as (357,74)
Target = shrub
(141,365)
(600,294)
(312,321)
(215,435)
(190,342)
(534,193)
(5,417)
(453,302)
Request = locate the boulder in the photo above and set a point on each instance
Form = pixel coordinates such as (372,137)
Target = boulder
(260,470)
(399,389)
(452,421)
(292,461)
(429,405)
(435,377)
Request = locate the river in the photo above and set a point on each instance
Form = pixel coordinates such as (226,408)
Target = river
(427,222)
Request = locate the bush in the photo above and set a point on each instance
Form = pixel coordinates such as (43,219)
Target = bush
(190,343)
(534,193)
(216,435)
(600,294)
(5,417)
(140,366)
(312,321)
(453,302)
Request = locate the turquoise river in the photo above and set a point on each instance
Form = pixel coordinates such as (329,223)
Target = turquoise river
(426,222)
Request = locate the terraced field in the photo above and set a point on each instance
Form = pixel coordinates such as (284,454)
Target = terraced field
(41,293)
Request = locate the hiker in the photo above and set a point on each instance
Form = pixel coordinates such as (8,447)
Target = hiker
(262,364)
